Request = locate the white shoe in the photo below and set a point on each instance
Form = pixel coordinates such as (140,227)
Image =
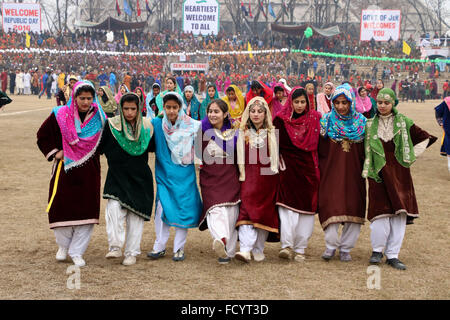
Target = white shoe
(129,260)
(243,256)
(219,248)
(78,261)
(61,255)
(285,253)
(115,253)
(258,257)
(299,257)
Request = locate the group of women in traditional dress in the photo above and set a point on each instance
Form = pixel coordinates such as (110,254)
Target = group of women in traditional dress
(268,164)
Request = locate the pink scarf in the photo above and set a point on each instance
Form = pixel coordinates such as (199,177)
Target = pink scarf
(362,105)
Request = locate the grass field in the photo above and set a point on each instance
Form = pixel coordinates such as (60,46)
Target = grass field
(29,269)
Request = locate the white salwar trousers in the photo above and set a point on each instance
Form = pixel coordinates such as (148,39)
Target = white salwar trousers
(116,216)
(162,231)
(347,241)
(448,162)
(252,239)
(388,233)
(75,239)
(295,229)
(222,224)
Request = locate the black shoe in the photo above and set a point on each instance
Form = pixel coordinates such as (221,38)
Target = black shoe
(376,257)
(395,263)
(156,255)
(224,260)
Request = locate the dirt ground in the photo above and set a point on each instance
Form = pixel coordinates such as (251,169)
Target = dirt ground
(27,245)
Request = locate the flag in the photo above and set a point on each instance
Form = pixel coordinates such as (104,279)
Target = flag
(125,37)
(250,9)
(126,7)
(262,8)
(138,9)
(28,40)
(148,7)
(244,11)
(406,48)
(272,13)
(250,50)
(118,8)
(308,32)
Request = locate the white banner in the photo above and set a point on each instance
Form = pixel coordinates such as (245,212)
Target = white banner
(189,66)
(381,25)
(21,17)
(201,17)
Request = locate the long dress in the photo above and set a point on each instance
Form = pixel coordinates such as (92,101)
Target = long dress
(176,185)
(395,194)
(443,118)
(129,179)
(259,192)
(299,175)
(77,199)
(219,179)
(342,191)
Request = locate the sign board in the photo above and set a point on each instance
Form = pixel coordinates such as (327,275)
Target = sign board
(381,25)
(183,66)
(201,17)
(21,17)
(430,51)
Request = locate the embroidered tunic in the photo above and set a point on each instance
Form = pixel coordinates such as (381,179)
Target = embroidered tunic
(77,199)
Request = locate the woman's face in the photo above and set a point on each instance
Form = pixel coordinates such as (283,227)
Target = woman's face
(310,90)
(100,92)
(231,95)
(170,85)
(172,108)
(384,107)
(299,104)
(279,95)
(257,115)
(188,94)
(84,101)
(211,92)
(139,93)
(342,105)
(123,90)
(380,84)
(327,89)
(216,116)
(363,93)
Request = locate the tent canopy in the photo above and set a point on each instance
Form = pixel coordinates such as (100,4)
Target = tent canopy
(112,25)
(298,30)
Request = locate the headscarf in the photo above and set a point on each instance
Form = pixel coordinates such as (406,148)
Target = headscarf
(142,99)
(311,97)
(244,131)
(374,150)
(362,105)
(240,106)
(180,137)
(207,100)
(276,104)
(304,131)
(195,104)
(324,102)
(339,127)
(267,93)
(159,97)
(150,95)
(119,94)
(134,142)
(107,101)
(80,140)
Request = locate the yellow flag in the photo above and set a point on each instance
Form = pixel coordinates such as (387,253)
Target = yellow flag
(28,40)
(250,50)
(125,38)
(406,48)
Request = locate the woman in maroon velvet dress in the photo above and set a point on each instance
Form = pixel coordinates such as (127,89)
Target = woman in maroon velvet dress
(219,180)
(257,153)
(299,130)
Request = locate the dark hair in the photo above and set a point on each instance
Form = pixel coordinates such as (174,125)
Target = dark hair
(220,103)
(298,93)
(256,85)
(361,88)
(229,89)
(211,86)
(171,97)
(173,80)
(277,88)
(85,88)
(130,97)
